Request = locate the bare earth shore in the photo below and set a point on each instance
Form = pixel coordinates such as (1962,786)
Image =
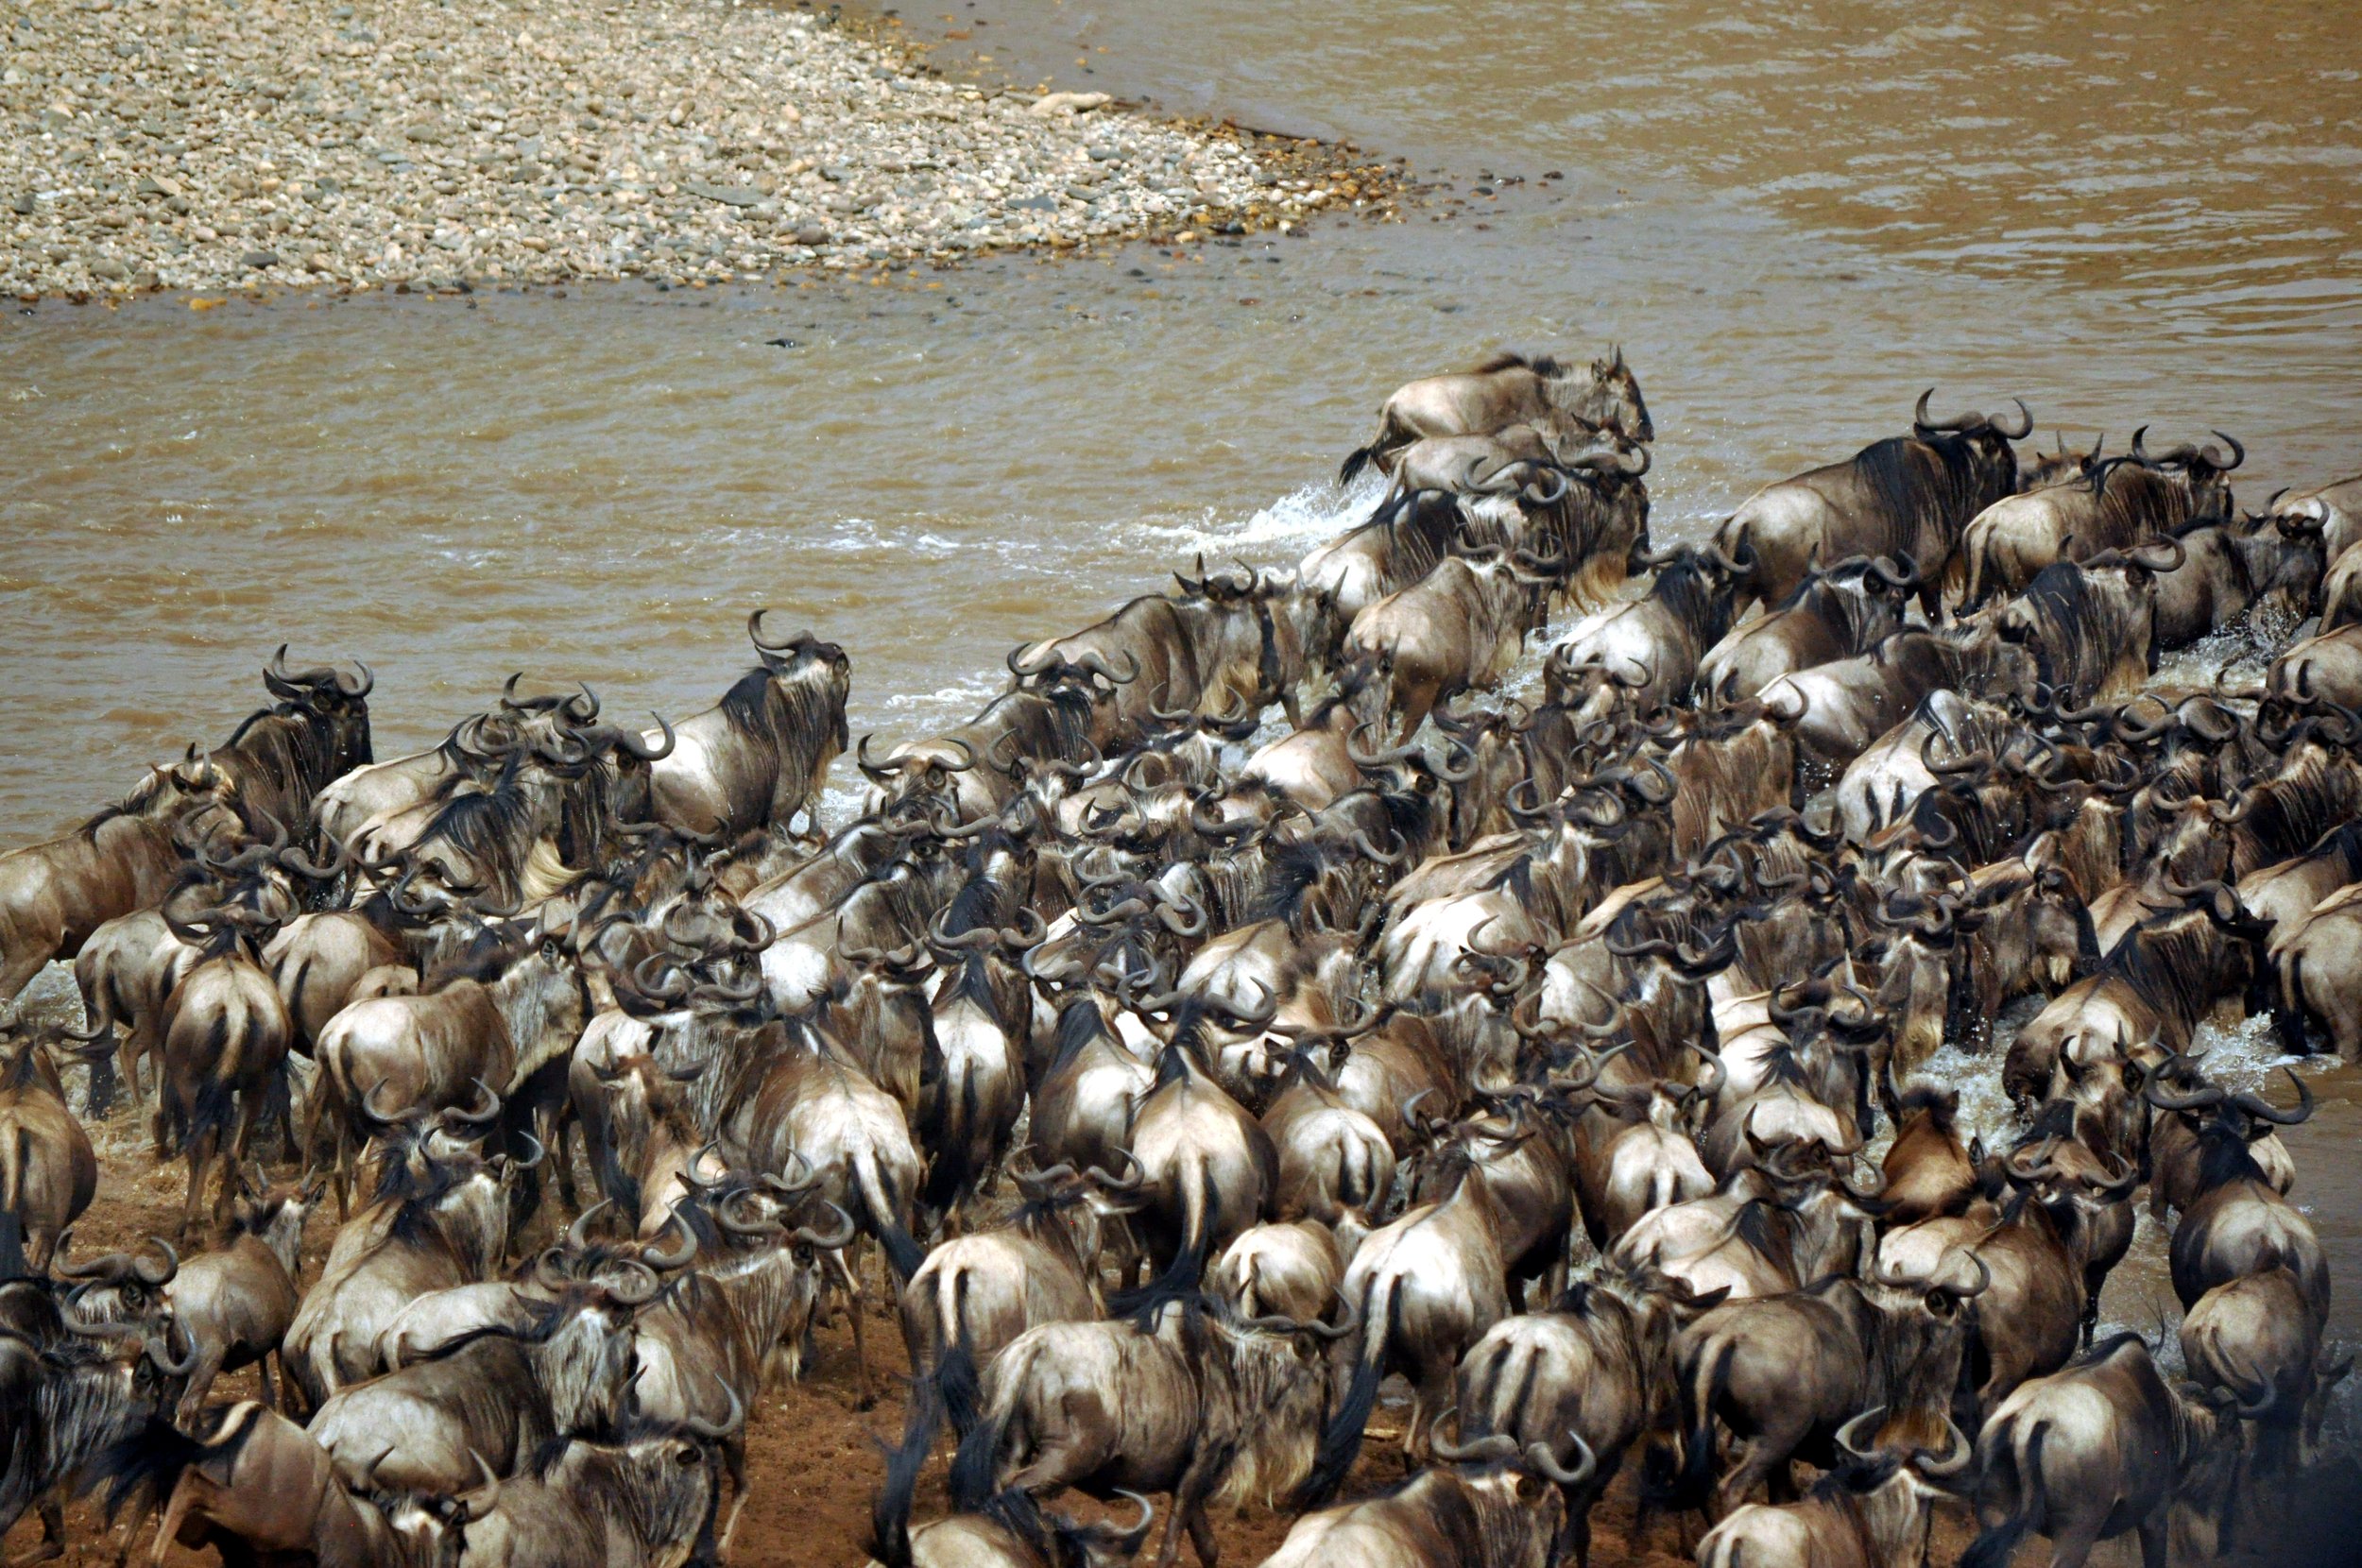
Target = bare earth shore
(221,144)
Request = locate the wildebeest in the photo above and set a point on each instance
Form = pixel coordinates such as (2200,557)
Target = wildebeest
(1839,611)
(2092,626)
(1594,1368)
(2104,1447)
(1903,496)
(53,895)
(1489,1506)
(761,754)
(48,1175)
(1567,405)
(1184,1399)
(1459,628)
(2119,505)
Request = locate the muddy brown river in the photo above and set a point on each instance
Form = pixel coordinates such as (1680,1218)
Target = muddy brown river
(1793,217)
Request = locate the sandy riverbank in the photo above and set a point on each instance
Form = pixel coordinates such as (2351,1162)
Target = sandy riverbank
(212,144)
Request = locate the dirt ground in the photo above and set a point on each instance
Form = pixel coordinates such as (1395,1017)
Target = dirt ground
(814,1455)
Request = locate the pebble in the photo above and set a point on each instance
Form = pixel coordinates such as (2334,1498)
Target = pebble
(408,142)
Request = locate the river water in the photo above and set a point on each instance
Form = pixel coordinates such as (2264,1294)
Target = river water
(1793,217)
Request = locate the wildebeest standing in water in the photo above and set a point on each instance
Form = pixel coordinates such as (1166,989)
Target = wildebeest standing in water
(1907,495)
(1567,406)
(761,754)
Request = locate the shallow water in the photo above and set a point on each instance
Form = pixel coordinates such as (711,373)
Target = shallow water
(1793,217)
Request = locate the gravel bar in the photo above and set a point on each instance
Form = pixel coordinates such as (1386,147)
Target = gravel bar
(208,144)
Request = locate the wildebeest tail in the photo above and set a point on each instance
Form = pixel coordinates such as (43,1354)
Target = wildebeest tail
(2290,1014)
(874,1210)
(974,1478)
(14,1150)
(890,1511)
(1356,460)
(142,1467)
(1340,1442)
(1189,1263)
(1996,1543)
(1700,1394)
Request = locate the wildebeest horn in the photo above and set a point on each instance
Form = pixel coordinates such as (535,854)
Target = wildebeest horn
(1899,571)
(2238,453)
(2264,1110)
(628,741)
(1959,1453)
(579,1233)
(754,635)
(2026,423)
(1375,759)
(1498,1446)
(638,1293)
(160,1274)
(369,1110)
(104,1266)
(783,1185)
(729,1423)
(1096,664)
(1129,1539)
(2205,1096)
(1851,1436)
(474,1504)
(2163,557)
(339,857)
(1400,852)
(486,1110)
(1109,1182)
(875,773)
(842,1234)
(159,1352)
(1538,1455)
(1182,916)
(1984,1278)
(1632,463)
(680,1255)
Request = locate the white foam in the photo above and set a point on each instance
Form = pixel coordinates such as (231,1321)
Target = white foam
(1289,527)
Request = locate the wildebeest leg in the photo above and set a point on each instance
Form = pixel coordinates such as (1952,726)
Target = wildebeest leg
(551,1132)
(200,1156)
(863,1397)
(1201,1535)
(734,1465)
(262,1375)
(1754,1463)
(2072,1549)
(1428,1405)
(52,1544)
(1415,710)
(200,1383)
(1188,1508)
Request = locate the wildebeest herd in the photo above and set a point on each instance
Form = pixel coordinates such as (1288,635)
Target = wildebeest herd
(1566,1054)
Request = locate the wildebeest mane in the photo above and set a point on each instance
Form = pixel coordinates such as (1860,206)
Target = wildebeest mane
(1544,365)
(2170,958)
